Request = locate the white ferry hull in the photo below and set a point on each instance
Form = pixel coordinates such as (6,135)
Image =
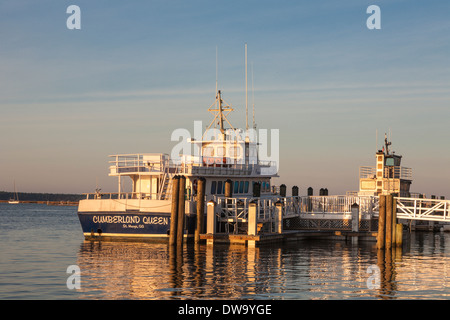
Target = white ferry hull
(105,222)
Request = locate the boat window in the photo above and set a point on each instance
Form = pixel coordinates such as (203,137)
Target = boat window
(246,187)
(236,187)
(268,186)
(263,186)
(219,187)
(213,187)
(208,151)
(241,187)
(389,161)
(220,151)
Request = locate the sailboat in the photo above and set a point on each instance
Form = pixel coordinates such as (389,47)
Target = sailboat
(16,196)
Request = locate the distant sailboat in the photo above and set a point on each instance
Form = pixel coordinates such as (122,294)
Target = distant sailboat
(16,196)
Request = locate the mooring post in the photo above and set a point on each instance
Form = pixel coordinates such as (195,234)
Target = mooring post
(228,188)
(283,191)
(211,217)
(200,208)
(181,210)
(388,231)
(381,221)
(279,217)
(355,221)
(252,218)
(355,217)
(174,212)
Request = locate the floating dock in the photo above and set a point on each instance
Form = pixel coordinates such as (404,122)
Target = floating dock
(289,235)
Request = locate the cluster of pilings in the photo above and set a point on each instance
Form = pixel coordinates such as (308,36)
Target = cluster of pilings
(310,191)
(177,216)
(390,233)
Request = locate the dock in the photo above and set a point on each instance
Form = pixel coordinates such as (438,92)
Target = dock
(288,235)
(258,221)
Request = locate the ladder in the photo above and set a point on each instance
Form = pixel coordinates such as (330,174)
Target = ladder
(165,190)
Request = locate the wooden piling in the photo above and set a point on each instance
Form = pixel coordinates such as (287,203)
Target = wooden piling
(399,235)
(181,210)
(174,212)
(200,207)
(252,219)
(228,188)
(381,221)
(394,220)
(279,217)
(388,231)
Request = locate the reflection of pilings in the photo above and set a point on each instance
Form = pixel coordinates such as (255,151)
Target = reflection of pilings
(199,263)
(176,269)
(386,263)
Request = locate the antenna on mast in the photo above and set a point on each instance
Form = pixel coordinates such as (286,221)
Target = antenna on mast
(246,90)
(253,100)
(376,140)
(217,67)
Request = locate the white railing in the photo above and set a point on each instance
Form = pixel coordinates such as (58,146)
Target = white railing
(367,172)
(338,204)
(129,195)
(423,209)
(236,209)
(161,164)
(390,172)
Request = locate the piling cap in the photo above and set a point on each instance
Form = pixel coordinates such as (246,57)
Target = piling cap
(355,205)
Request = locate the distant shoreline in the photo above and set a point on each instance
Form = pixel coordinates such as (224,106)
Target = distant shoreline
(45,198)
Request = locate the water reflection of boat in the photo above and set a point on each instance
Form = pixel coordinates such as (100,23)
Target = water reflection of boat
(319,270)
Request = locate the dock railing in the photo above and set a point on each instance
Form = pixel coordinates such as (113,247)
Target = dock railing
(338,204)
(423,209)
(237,207)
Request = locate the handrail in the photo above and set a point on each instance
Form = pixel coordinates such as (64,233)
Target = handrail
(423,209)
(390,172)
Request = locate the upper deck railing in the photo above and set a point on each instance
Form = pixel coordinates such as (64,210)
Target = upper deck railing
(391,172)
(160,164)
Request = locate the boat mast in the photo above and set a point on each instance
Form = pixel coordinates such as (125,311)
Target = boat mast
(253,101)
(219,99)
(246,90)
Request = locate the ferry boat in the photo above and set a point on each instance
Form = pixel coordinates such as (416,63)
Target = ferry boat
(145,212)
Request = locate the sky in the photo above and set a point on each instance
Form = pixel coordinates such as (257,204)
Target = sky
(138,70)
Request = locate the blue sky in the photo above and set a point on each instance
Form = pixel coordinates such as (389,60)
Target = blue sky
(137,70)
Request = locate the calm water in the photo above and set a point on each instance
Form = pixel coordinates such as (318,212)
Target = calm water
(39,242)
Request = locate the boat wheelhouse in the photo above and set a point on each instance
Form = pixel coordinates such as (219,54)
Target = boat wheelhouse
(388,176)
